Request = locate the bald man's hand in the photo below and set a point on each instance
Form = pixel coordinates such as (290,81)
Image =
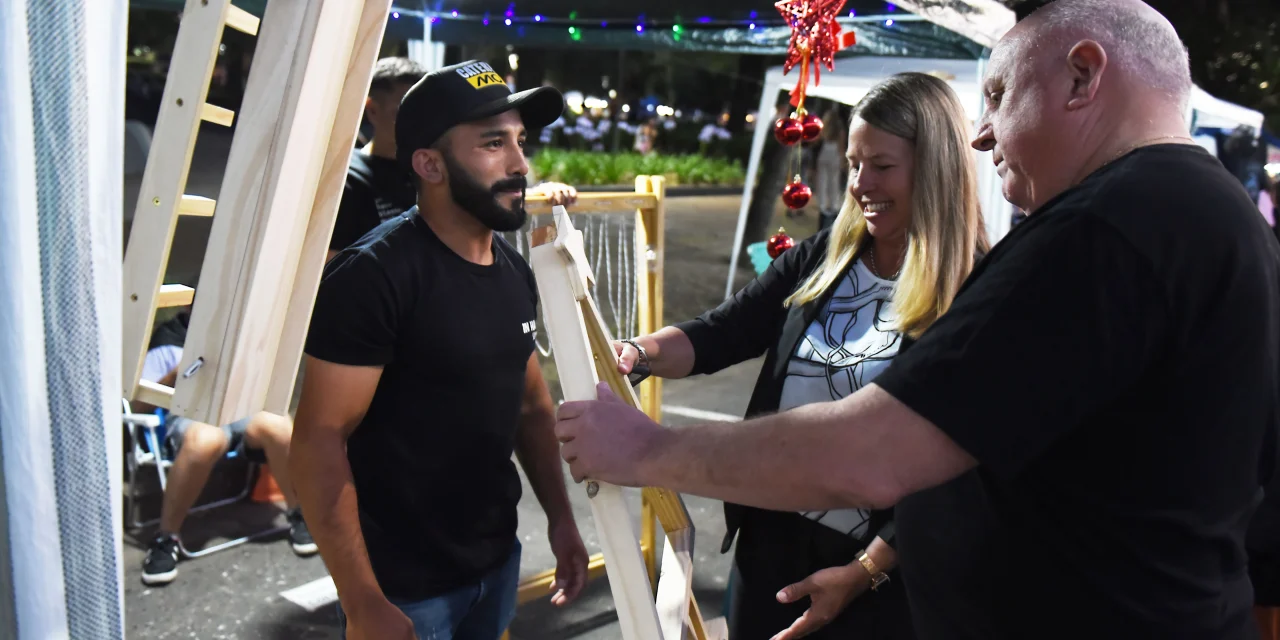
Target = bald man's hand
(607,439)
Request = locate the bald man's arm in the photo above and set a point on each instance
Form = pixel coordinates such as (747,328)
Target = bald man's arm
(867,450)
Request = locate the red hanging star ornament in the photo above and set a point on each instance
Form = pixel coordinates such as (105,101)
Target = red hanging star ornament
(815,39)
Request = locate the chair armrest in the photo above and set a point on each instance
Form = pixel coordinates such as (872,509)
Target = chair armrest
(145,420)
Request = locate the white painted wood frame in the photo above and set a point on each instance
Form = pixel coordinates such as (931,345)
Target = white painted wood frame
(324,211)
(300,63)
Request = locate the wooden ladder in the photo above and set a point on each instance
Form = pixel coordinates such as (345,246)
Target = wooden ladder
(275,212)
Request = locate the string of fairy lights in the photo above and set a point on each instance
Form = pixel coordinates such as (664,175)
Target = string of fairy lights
(641,25)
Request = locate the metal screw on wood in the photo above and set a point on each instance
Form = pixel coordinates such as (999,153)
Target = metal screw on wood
(592,489)
(195,366)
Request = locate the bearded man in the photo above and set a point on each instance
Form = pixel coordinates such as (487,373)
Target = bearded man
(1076,447)
(422,378)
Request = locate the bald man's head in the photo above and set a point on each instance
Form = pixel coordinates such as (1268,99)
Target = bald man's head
(1139,42)
(1073,80)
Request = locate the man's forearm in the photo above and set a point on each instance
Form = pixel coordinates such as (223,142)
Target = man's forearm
(327,494)
(539,455)
(867,450)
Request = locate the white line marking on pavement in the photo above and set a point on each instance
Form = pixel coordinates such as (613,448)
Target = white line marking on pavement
(700,414)
(313,595)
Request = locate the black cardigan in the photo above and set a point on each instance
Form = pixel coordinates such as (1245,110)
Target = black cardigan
(753,322)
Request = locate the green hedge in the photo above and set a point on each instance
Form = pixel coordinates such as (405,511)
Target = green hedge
(602,168)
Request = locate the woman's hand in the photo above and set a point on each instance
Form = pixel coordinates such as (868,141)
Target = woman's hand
(628,356)
(829,592)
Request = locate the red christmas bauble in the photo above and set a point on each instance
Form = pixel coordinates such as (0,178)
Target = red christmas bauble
(796,195)
(779,242)
(812,126)
(788,131)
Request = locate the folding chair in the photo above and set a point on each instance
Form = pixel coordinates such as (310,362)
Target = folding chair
(146,448)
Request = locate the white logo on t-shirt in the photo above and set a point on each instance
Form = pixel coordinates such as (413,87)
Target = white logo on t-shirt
(530,326)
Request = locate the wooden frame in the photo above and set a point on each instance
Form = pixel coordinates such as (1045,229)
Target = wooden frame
(155,216)
(304,47)
(324,210)
(579,341)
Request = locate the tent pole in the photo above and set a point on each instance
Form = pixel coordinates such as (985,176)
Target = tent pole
(763,126)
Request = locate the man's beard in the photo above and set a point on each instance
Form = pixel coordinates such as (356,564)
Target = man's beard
(482,202)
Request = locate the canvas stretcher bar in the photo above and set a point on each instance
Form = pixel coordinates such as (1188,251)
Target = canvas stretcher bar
(324,211)
(290,104)
(155,215)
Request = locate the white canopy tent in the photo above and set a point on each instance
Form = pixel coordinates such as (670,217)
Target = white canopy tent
(851,80)
(1209,112)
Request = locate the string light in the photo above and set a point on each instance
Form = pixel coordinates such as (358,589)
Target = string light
(641,25)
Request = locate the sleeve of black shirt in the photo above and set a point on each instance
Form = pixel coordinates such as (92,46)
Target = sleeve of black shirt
(357,215)
(357,312)
(1049,334)
(747,324)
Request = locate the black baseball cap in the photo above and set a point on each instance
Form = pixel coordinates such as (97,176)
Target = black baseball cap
(462,93)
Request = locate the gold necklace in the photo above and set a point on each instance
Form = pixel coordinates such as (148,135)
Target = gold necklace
(1130,149)
(871,253)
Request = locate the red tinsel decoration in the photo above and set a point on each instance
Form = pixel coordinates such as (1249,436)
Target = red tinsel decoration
(815,39)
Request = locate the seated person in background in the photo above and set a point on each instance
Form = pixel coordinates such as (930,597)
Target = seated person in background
(197,447)
(377,187)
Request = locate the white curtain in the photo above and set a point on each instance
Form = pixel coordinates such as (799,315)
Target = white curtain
(61,140)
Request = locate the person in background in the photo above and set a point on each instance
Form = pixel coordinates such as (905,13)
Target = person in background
(830,169)
(377,187)
(1106,382)
(422,379)
(196,447)
(830,315)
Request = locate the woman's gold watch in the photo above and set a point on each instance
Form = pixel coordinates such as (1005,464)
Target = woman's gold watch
(878,577)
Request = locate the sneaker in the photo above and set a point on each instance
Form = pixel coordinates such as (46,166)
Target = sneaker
(161,563)
(299,535)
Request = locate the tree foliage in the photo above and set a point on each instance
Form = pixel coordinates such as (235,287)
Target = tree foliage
(1235,54)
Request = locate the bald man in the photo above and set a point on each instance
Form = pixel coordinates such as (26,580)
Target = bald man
(1075,449)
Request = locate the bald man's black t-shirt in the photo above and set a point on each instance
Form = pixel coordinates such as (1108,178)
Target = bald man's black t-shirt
(431,459)
(1113,365)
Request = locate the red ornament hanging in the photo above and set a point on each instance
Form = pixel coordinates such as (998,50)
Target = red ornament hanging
(779,242)
(812,126)
(815,39)
(797,194)
(788,131)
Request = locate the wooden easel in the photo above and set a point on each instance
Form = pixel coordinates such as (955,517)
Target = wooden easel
(584,355)
(274,216)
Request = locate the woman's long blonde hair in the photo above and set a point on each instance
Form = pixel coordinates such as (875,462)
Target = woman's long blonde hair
(946,227)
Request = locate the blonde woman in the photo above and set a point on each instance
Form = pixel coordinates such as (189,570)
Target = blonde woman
(829,315)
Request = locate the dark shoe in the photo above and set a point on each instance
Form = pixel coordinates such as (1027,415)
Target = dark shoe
(161,563)
(300,536)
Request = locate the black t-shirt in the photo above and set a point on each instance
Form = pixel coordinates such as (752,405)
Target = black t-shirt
(1113,365)
(431,459)
(377,190)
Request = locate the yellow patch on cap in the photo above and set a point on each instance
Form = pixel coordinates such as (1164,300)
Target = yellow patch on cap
(485,80)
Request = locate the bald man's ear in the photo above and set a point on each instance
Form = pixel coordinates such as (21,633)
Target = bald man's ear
(1086,63)
(429,165)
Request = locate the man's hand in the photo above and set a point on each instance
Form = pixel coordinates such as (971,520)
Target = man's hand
(829,592)
(558,192)
(606,439)
(571,561)
(379,620)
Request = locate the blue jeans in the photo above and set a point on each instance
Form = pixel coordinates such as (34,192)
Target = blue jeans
(481,611)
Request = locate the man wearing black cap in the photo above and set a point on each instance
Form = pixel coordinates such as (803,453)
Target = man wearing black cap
(378,187)
(422,379)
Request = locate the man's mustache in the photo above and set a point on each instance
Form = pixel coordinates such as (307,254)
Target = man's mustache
(511,184)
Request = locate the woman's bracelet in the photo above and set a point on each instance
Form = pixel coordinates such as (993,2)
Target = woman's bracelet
(642,369)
